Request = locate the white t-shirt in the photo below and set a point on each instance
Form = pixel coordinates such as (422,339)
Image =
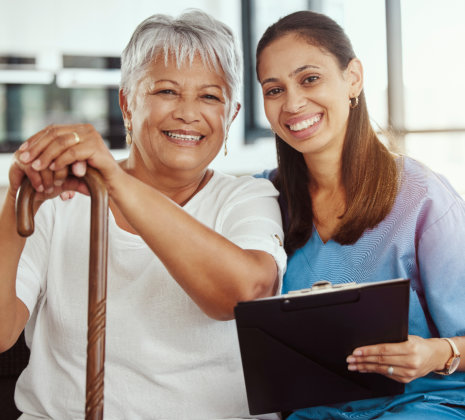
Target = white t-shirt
(165,359)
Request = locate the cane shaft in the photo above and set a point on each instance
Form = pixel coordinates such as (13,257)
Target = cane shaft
(97,281)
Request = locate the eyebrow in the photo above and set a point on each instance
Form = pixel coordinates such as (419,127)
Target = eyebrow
(211,86)
(291,74)
(166,80)
(176,83)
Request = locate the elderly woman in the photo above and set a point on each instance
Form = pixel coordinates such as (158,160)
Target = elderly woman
(185,243)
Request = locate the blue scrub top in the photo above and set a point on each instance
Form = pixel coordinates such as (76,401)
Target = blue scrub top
(423,238)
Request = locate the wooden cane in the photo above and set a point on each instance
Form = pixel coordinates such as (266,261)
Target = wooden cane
(97,280)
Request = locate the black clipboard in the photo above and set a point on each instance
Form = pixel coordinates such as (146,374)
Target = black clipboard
(294,347)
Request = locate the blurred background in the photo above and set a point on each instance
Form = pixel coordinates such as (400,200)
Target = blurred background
(59,63)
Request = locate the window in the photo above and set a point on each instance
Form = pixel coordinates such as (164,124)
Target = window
(434,86)
(413,65)
(257,15)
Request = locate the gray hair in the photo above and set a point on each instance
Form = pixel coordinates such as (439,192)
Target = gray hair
(193,32)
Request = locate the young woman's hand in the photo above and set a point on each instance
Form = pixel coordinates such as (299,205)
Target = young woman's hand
(404,361)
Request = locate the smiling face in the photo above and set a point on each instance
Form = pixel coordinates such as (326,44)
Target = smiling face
(177,116)
(306,94)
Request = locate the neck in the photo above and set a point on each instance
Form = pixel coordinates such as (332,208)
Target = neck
(179,186)
(327,193)
(325,172)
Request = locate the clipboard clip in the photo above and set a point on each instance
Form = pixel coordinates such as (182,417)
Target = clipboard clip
(320,286)
(322,293)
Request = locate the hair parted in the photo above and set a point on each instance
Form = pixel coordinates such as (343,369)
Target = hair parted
(193,32)
(369,170)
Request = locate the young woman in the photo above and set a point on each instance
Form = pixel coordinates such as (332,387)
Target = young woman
(356,212)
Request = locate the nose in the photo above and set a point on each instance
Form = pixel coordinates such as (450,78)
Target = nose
(294,102)
(187,110)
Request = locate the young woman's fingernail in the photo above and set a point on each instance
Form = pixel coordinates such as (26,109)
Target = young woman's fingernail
(357,353)
(52,166)
(24,157)
(350,359)
(49,190)
(36,164)
(58,182)
(23,147)
(40,188)
(352,367)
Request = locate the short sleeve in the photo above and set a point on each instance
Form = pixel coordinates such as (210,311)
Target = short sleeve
(252,220)
(32,267)
(441,250)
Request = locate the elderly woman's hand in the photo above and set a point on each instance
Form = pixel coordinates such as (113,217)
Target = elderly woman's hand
(47,183)
(48,157)
(404,361)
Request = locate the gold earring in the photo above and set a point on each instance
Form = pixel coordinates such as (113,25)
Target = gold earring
(353,102)
(128,134)
(226,145)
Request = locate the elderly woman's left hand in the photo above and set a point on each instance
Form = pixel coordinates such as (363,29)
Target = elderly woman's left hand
(402,362)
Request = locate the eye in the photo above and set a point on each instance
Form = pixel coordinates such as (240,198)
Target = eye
(273,91)
(211,97)
(166,92)
(310,79)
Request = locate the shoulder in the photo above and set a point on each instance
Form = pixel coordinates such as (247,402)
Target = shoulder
(241,186)
(421,175)
(428,192)
(227,199)
(415,176)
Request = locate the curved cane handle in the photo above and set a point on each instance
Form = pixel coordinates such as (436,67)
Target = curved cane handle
(24,210)
(97,280)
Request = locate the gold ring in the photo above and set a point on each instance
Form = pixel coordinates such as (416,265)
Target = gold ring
(390,370)
(76,137)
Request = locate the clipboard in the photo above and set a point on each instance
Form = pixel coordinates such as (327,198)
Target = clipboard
(294,346)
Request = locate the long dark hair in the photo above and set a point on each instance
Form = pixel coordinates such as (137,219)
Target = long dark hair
(369,171)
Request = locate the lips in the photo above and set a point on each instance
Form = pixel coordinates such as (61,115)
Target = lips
(184,136)
(302,124)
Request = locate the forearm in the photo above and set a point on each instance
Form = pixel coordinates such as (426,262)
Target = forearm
(212,270)
(11,246)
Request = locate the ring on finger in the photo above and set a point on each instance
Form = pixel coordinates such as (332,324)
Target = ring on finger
(390,370)
(76,137)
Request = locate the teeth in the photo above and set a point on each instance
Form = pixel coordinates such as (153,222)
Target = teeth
(186,137)
(302,125)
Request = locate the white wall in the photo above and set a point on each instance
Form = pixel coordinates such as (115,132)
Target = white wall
(89,26)
(49,28)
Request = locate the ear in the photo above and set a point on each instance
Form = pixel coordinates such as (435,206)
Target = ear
(124,105)
(354,73)
(238,108)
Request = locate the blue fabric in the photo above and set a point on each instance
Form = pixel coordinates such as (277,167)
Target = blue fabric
(399,409)
(423,238)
